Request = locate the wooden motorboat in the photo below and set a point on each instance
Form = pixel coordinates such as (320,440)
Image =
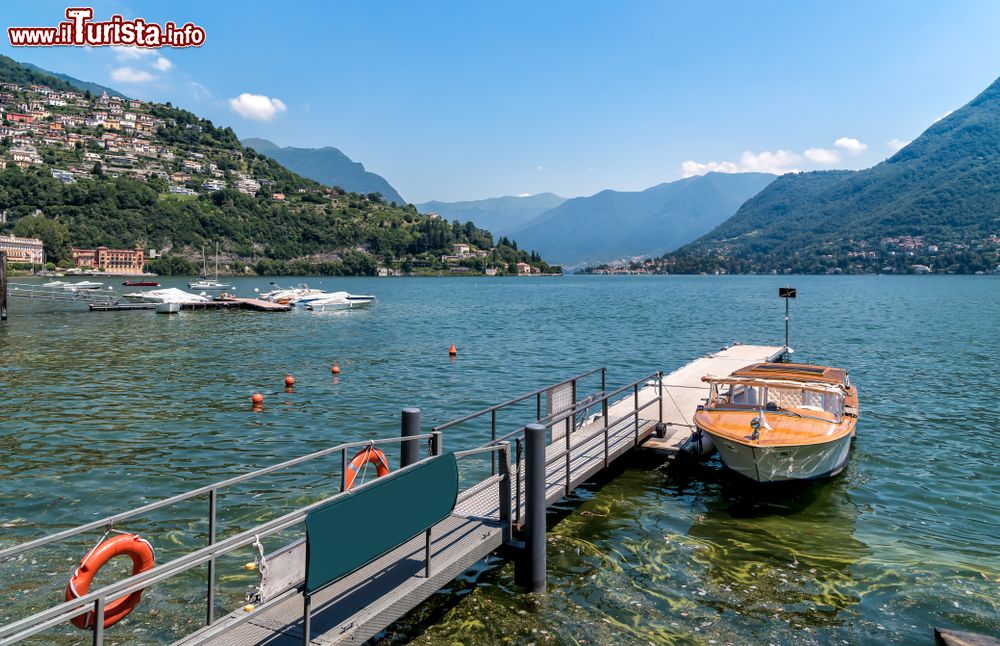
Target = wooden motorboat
(774,422)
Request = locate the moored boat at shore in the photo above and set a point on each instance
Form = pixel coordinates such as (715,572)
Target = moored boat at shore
(334,300)
(83,284)
(774,422)
(168,295)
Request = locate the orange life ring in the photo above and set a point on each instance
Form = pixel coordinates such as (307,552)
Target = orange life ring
(131,545)
(370,455)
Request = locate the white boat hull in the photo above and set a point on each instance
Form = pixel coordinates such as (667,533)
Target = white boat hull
(784,463)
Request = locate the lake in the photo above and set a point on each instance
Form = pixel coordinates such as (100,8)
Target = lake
(101,412)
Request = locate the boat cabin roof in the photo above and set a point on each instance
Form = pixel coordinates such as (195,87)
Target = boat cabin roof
(794,372)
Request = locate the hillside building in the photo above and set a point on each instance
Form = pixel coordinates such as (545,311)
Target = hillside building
(112,261)
(20,249)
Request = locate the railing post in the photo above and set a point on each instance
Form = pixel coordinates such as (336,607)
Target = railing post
(659,376)
(306,619)
(409,452)
(606,433)
(538,407)
(212,507)
(99,622)
(343,469)
(437,443)
(530,568)
(427,551)
(493,438)
(569,452)
(518,452)
(636,389)
(505,496)
(604,380)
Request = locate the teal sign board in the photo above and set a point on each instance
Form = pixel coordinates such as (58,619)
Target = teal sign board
(356,529)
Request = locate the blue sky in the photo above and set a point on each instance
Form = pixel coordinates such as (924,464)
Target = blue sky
(464,100)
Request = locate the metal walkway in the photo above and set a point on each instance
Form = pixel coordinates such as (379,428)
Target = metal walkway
(574,435)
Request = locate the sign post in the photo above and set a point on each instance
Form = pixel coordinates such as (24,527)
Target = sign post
(786,293)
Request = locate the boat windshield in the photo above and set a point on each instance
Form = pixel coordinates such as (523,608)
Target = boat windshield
(776,397)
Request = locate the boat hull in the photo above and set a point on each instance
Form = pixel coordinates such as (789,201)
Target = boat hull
(784,463)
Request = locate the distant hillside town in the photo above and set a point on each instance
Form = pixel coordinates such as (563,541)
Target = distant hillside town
(106,135)
(120,185)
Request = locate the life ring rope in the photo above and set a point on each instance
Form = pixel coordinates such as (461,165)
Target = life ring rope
(360,462)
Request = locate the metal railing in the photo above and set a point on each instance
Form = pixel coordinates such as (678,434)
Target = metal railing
(570,417)
(503,449)
(96,600)
(66,294)
(537,394)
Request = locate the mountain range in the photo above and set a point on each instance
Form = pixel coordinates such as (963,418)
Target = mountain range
(930,207)
(621,224)
(501,215)
(327,166)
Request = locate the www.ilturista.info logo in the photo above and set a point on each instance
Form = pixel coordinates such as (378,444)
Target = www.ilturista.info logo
(79,30)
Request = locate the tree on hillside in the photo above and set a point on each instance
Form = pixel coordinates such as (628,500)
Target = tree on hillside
(54,236)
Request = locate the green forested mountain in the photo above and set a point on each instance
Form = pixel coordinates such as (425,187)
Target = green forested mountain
(622,224)
(500,215)
(327,166)
(83,86)
(934,204)
(83,171)
(13,72)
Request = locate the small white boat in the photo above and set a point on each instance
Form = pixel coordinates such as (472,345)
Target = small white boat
(83,284)
(334,301)
(168,295)
(289,295)
(168,308)
(210,284)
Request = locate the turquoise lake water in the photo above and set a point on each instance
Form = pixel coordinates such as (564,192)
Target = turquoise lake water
(101,412)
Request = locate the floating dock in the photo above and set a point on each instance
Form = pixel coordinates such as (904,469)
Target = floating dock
(306,599)
(254,304)
(683,389)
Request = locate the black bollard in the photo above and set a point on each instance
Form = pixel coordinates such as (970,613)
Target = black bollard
(410,451)
(531,566)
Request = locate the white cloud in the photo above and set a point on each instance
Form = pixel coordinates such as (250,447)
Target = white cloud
(851,145)
(130,75)
(822,155)
(541,168)
(895,145)
(123,53)
(778,162)
(257,106)
(524,194)
(162,64)
(943,116)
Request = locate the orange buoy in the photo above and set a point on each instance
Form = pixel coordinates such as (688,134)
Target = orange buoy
(452,351)
(369,455)
(289,381)
(131,545)
(335,369)
(257,398)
